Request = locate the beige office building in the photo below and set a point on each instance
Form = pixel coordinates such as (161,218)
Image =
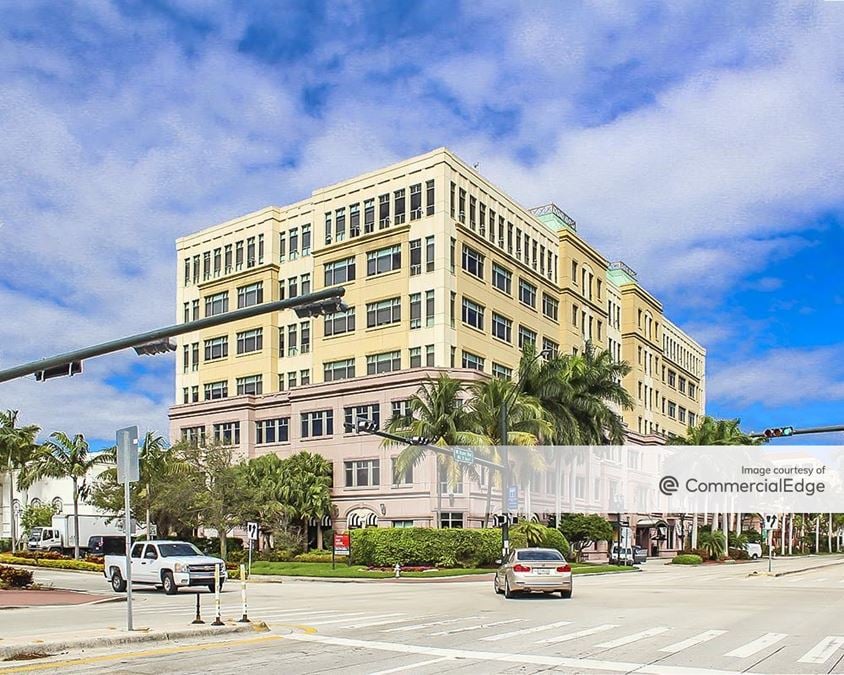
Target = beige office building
(443,273)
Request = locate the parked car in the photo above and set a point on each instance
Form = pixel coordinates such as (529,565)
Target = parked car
(168,564)
(640,555)
(623,556)
(107,545)
(534,569)
(60,537)
(753,550)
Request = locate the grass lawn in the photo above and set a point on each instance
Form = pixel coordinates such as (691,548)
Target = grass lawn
(293,569)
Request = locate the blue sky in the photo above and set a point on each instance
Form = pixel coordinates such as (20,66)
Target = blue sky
(699,142)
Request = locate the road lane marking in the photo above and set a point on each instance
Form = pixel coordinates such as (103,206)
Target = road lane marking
(270,614)
(383,620)
(578,634)
(431,624)
(706,636)
(525,631)
(563,662)
(821,652)
(343,618)
(635,637)
(756,645)
(464,629)
(412,665)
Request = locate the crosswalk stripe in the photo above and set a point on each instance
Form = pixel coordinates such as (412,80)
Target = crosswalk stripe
(464,629)
(578,634)
(821,580)
(756,645)
(430,624)
(383,620)
(271,614)
(635,637)
(821,652)
(341,618)
(412,665)
(692,641)
(525,631)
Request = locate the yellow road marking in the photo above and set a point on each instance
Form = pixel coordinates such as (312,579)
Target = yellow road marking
(160,651)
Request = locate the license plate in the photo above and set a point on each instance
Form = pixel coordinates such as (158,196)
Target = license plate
(540,571)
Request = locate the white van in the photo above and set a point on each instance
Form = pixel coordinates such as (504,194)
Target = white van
(753,550)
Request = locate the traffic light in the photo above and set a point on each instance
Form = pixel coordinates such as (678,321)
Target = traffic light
(64,370)
(366,425)
(777,432)
(418,440)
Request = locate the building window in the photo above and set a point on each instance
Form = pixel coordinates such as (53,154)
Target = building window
(250,295)
(383,260)
(401,524)
(429,356)
(293,239)
(672,409)
(415,310)
(340,224)
(194,310)
(329,231)
(282,246)
(383,313)
(250,341)
(502,278)
(429,307)
(461,205)
(305,337)
(368,216)
(398,207)
(340,271)
(429,197)
(452,248)
(526,336)
(692,419)
(473,262)
(227,433)
(473,314)
(682,414)
(251,385)
(415,257)
(371,412)
(502,372)
(338,370)
(692,390)
(473,361)
(194,349)
(429,253)
(305,376)
(292,287)
(354,220)
(217,304)
(215,390)
(362,473)
(383,211)
(550,307)
(194,393)
(291,380)
(550,345)
(216,348)
(672,378)
(340,322)
(451,519)
(306,283)
(681,385)
(272,431)
(402,477)
(386,362)
(194,435)
(502,327)
(292,340)
(317,423)
(400,410)
(415,354)
(452,203)
(250,252)
(527,293)
(575,312)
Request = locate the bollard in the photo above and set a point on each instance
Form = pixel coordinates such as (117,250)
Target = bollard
(398,570)
(217,621)
(244,618)
(198,618)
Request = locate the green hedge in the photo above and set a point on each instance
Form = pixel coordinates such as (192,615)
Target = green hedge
(384,547)
(317,556)
(55,564)
(686,559)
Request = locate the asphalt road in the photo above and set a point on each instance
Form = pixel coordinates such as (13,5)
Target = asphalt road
(666,620)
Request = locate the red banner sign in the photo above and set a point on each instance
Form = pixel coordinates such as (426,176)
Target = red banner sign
(341,543)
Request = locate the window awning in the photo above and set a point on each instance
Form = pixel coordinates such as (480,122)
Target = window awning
(361,518)
(325,521)
(651,522)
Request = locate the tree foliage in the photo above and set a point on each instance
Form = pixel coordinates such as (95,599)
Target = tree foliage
(582,530)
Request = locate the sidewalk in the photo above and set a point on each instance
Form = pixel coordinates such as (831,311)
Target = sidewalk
(15,599)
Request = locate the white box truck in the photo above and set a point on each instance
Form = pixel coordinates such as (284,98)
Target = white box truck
(61,536)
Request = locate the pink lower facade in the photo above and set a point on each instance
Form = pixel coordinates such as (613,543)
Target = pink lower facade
(311,418)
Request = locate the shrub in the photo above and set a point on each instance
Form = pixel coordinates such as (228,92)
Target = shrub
(686,559)
(14,577)
(554,539)
(703,554)
(54,564)
(739,554)
(317,556)
(381,547)
(5,545)
(96,559)
(273,555)
(41,555)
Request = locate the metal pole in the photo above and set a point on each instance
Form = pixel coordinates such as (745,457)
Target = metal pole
(217,621)
(198,618)
(250,557)
(322,295)
(244,618)
(127,528)
(770,550)
(505,481)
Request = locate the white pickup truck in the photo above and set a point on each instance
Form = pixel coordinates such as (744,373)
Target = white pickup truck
(166,564)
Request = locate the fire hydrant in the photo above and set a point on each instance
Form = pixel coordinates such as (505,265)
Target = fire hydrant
(398,570)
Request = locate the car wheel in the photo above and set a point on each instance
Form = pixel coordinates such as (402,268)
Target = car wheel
(496,586)
(755,556)
(565,594)
(169,584)
(507,592)
(118,583)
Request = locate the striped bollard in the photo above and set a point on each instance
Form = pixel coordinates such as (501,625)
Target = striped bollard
(217,620)
(244,618)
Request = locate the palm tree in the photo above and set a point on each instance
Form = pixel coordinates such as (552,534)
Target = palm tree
(437,413)
(64,457)
(527,421)
(17,447)
(305,491)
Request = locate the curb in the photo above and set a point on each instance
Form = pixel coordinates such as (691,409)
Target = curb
(46,649)
(757,573)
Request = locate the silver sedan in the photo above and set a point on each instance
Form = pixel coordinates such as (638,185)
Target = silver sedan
(534,569)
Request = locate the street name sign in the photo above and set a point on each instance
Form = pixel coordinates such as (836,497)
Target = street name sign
(464,455)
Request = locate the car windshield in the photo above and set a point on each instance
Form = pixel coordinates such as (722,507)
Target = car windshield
(539,555)
(174,550)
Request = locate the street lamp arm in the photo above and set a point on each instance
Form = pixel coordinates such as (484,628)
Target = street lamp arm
(321,301)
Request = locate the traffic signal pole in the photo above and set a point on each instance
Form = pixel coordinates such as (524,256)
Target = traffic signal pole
(786,431)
